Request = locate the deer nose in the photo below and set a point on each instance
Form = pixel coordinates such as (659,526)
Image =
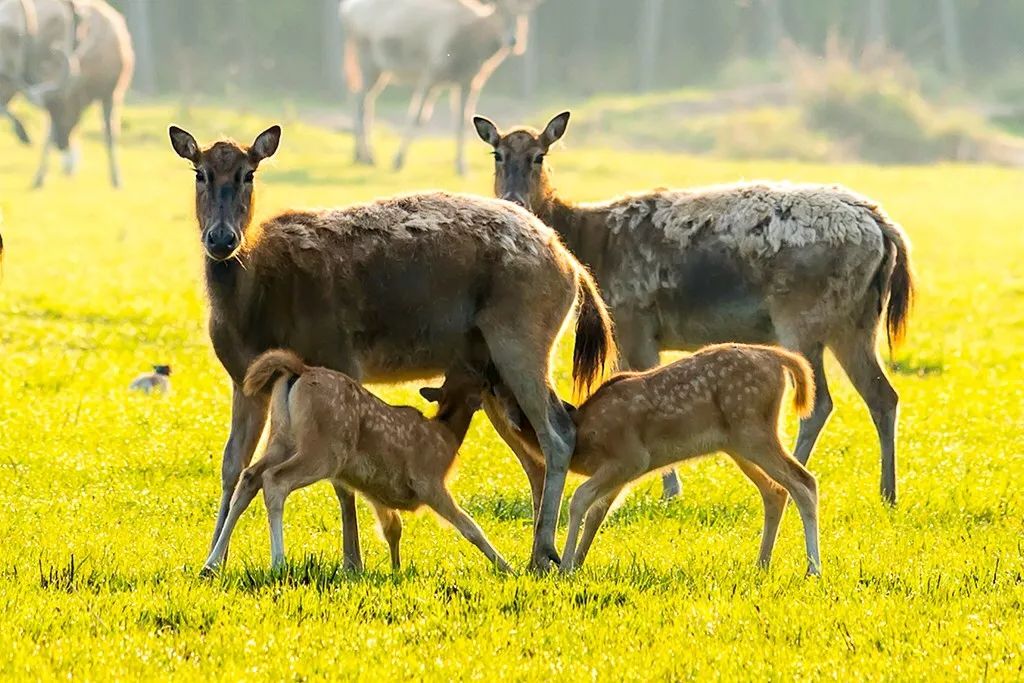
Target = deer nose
(518,200)
(220,243)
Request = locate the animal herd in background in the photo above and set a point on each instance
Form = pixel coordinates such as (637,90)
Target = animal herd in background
(310,304)
(63,55)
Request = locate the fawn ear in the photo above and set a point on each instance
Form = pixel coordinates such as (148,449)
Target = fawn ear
(555,129)
(432,394)
(265,144)
(487,131)
(184,144)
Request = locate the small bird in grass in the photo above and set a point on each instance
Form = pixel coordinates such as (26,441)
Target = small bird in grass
(158,381)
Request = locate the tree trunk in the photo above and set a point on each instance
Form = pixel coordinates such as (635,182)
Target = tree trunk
(137,17)
(647,37)
(333,48)
(775,30)
(875,35)
(952,54)
(531,60)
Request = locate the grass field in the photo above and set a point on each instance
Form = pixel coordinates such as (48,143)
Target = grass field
(107,499)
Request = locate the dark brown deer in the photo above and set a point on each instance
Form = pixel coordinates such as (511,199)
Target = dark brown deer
(804,266)
(80,52)
(390,290)
(431,45)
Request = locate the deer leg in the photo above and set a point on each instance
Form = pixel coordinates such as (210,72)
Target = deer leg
(413,119)
(248,417)
(498,417)
(351,553)
(765,451)
(595,517)
(111,131)
(440,501)
(469,94)
(391,528)
(605,482)
(774,498)
(811,426)
(44,159)
(248,486)
(302,469)
(524,370)
(373,83)
(16,124)
(859,360)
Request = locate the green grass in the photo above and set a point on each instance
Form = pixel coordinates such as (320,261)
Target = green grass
(107,499)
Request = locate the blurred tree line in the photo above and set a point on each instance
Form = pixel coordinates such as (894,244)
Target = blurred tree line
(577,46)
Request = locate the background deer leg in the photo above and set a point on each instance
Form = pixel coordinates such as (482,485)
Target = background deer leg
(469,93)
(414,117)
(111,131)
(44,159)
(362,125)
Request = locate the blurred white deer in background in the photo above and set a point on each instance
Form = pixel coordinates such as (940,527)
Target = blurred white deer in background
(432,45)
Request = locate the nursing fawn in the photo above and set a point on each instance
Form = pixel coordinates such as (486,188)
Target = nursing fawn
(324,425)
(723,398)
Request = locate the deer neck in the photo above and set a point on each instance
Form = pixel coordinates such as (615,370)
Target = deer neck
(570,221)
(456,423)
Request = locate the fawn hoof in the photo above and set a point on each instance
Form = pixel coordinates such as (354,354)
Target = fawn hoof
(208,571)
(813,570)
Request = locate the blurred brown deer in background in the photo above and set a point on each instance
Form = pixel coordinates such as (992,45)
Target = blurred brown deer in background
(803,266)
(431,45)
(63,55)
(395,289)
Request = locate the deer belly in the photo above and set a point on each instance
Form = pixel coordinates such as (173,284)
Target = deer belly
(416,320)
(709,298)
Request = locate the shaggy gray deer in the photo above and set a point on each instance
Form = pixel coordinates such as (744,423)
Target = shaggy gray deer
(324,425)
(63,56)
(391,290)
(803,266)
(429,44)
(723,398)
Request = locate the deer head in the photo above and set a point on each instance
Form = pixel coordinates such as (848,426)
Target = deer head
(224,186)
(520,174)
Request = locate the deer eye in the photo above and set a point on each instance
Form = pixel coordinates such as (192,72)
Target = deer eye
(498,156)
(539,159)
(249,175)
(200,176)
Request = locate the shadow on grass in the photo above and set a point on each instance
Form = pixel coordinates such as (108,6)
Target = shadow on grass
(916,367)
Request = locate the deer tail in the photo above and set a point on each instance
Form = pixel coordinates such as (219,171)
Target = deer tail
(270,366)
(803,380)
(594,351)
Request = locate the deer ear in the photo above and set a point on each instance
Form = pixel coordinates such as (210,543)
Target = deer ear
(184,144)
(432,394)
(555,129)
(265,144)
(487,131)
